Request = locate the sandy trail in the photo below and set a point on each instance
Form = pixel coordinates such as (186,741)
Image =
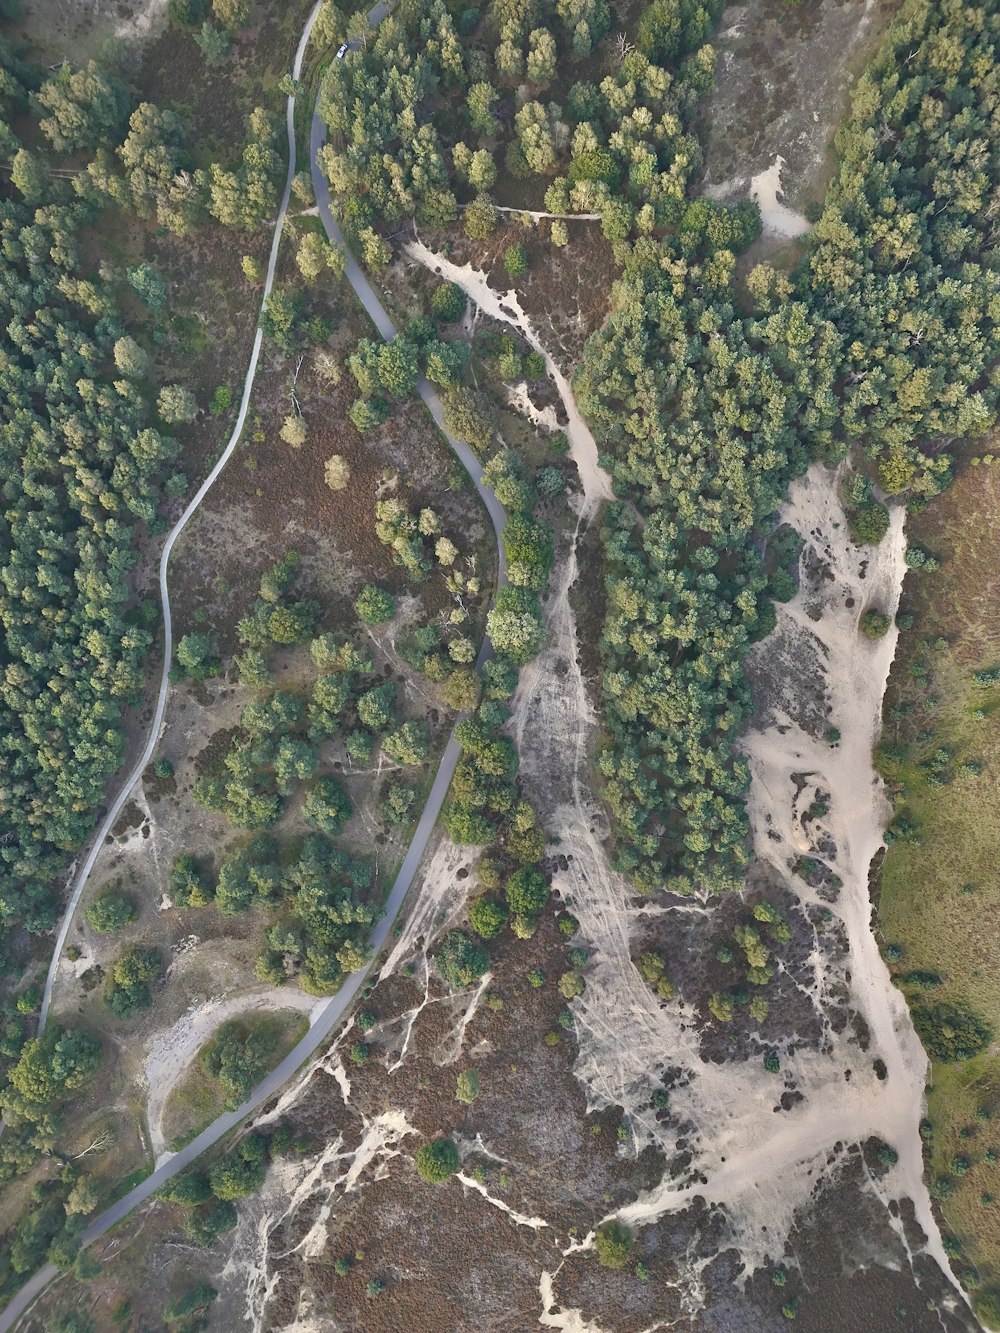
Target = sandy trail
(507,309)
(763,1168)
(170,1053)
(557,217)
(777,218)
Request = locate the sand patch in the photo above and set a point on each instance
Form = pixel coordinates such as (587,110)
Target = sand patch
(170,1053)
(506,308)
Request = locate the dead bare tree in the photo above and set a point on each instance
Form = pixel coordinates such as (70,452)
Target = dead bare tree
(103,1140)
(291,388)
(623,47)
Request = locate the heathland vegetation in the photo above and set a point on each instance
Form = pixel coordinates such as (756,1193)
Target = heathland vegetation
(939,756)
(109,204)
(711,385)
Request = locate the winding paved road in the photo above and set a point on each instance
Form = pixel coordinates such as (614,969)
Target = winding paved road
(331,1014)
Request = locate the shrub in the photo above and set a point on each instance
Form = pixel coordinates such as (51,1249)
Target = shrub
(366,413)
(195,1300)
(397,803)
(448,303)
(949,1032)
(549,481)
(467,1086)
(240,1172)
(487,917)
(110,912)
(238,1059)
(515,261)
(526,892)
(176,404)
(374,605)
(293,430)
(337,472)
(614,1244)
(571,984)
(360,1052)
(437,1160)
(221,400)
(874,624)
(128,985)
(480,219)
(188,1190)
(327,806)
(206,1226)
(868,523)
(195,657)
(461,961)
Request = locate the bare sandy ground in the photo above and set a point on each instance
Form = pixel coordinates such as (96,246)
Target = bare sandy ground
(762,1168)
(506,308)
(760,1164)
(777,218)
(332,1173)
(171,1052)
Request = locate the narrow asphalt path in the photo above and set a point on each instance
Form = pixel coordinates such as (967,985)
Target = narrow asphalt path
(331,1014)
(110,819)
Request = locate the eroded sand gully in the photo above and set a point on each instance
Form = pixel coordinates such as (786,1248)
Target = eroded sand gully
(505,307)
(763,1167)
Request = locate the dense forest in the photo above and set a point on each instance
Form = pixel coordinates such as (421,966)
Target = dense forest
(707,395)
(92,432)
(89,438)
(885,339)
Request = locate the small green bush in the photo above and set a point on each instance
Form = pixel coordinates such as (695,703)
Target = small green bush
(374,605)
(613,1243)
(487,917)
(437,1160)
(467,1086)
(110,912)
(868,523)
(461,961)
(949,1032)
(448,303)
(875,624)
(515,261)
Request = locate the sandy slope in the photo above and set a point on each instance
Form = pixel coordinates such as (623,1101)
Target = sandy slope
(761,1167)
(506,308)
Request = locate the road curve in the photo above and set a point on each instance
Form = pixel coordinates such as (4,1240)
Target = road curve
(108,823)
(329,1016)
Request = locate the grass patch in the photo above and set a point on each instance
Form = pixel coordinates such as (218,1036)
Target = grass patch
(198,1097)
(940,754)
